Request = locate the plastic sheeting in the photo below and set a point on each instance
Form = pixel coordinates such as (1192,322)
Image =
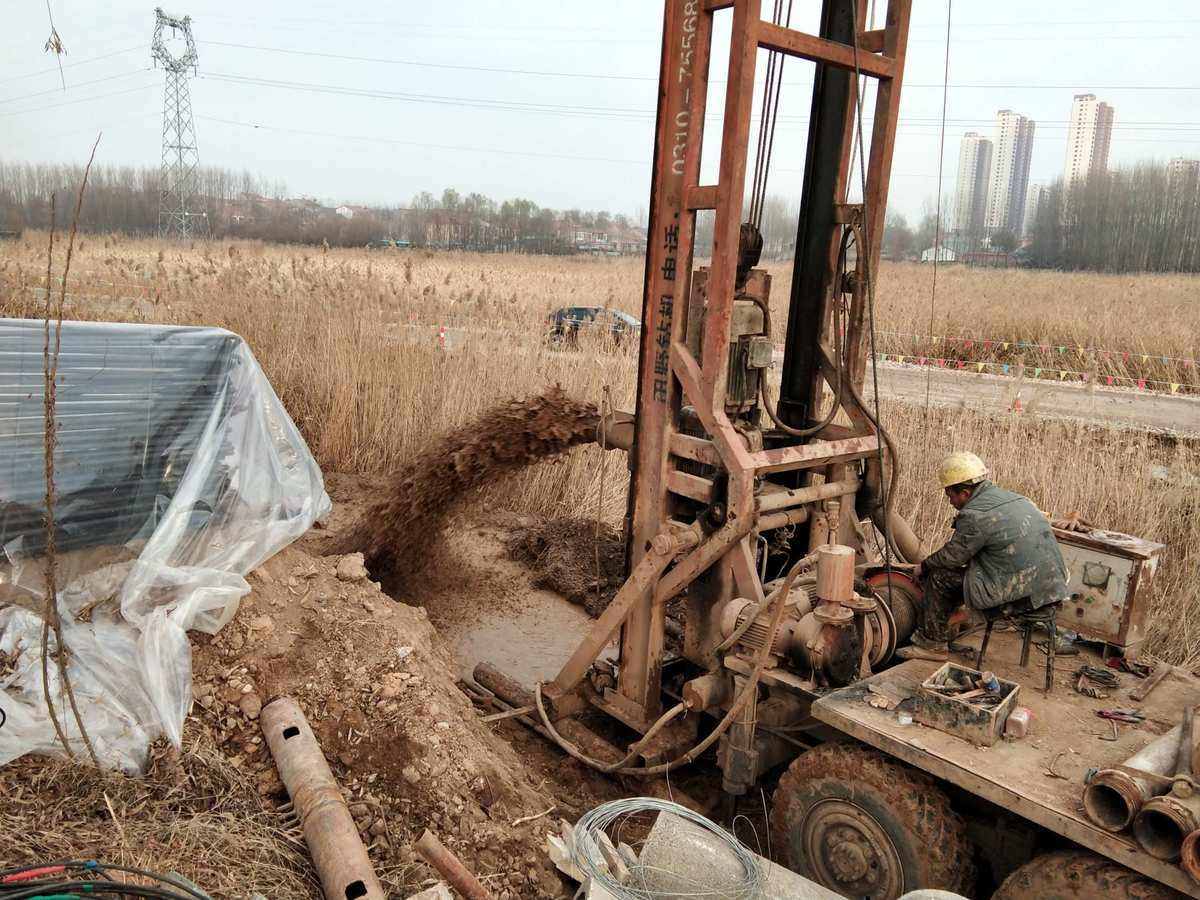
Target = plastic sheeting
(178,472)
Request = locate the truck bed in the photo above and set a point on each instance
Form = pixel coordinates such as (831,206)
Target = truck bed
(1065,732)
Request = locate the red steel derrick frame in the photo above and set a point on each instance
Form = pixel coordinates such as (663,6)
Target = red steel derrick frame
(670,375)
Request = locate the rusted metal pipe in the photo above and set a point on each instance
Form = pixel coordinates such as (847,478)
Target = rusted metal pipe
(451,867)
(779,519)
(772,501)
(337,851)
(1189,855)
(905,539)
(1164,821)
(573,730)
(1113,798)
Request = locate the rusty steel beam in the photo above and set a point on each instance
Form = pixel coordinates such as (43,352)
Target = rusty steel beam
(818,453)
(337,851)
(819,50)
(683,78)
(883,129)
(450,866)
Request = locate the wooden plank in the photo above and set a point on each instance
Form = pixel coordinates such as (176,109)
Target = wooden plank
(1012,774)
(1142,691)
(809,46)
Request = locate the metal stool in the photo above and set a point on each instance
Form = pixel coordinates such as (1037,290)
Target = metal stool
(1026,619)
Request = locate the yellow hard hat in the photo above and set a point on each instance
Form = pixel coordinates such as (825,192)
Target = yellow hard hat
(961,468)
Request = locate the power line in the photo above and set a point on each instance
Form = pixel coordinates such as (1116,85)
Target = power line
(78,62)
(422,144)
(654,78)
(430,65)
(80,84)
(18,112)
(557,109)
(345,136)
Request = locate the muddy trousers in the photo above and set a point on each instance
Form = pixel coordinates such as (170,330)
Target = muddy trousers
(943,595)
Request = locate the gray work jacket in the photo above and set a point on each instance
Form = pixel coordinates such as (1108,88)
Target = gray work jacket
(1008,549)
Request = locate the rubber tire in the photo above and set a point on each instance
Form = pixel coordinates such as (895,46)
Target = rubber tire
(929,837)
(1080,875)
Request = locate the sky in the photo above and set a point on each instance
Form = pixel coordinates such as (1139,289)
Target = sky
(555,101)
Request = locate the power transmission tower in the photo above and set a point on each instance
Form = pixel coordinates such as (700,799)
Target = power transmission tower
(178,213)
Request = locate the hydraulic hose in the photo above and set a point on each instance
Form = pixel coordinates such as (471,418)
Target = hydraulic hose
(839,362)
(778,600)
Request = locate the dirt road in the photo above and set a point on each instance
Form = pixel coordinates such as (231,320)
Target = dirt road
(982,392)
(1046,399)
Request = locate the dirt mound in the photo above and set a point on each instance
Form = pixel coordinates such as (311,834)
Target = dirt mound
(379,690)
(567,556)
(396,532)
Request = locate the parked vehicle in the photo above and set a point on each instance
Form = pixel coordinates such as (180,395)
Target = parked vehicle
(565,325)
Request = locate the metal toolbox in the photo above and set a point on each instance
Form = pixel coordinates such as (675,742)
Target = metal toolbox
(972,721)
(1109,579)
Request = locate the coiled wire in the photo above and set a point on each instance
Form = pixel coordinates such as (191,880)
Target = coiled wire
(644,880)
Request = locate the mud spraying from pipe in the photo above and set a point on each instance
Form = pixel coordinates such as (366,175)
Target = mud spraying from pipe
(397,532)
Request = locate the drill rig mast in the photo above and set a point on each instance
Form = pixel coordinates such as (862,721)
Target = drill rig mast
(722,480)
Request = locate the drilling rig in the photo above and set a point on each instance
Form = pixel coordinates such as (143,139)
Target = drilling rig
(729,484)
(768,577)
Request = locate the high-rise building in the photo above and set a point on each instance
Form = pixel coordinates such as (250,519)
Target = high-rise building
(1010,172)
(970,193)
(1088,138)
(1038,195)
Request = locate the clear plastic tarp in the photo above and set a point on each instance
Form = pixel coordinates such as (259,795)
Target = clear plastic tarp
(178,471)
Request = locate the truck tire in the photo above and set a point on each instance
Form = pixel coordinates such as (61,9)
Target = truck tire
(866,826)
(1080,875)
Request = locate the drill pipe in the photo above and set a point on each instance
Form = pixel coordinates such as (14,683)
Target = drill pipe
(451,867)
(1164,821)
(1190,855)
(1114,797)
(337,852)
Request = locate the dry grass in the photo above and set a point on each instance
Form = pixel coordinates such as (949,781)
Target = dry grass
(349,341)
(191,814)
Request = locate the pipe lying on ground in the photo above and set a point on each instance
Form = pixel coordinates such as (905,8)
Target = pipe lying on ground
(1165,821)
(1115,796)
(337,852)
(450,866)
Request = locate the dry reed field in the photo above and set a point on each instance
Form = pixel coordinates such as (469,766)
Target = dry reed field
(348,338)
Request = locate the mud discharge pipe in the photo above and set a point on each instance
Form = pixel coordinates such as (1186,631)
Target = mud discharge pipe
(1166,820)
(1114,797)
(337,852)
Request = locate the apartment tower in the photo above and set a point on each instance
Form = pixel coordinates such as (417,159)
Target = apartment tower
(1088,138)
(1010,172)
(970,193)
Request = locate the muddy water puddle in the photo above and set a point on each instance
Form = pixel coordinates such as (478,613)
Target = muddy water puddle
(529,643)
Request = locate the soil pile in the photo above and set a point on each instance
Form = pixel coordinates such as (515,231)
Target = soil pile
(567,556)
(379,690)
(397,531)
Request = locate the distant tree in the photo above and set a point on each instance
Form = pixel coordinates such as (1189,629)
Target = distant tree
(1004,240)
(898,239)
(450,199)
(927,232)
